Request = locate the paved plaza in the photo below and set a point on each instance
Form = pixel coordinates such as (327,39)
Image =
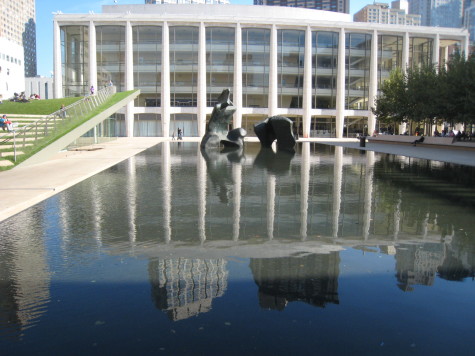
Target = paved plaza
(23,187)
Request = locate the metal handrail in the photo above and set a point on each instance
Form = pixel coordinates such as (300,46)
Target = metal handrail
(42,127)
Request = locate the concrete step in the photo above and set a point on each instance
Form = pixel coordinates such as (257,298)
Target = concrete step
(5,163)
(10,153)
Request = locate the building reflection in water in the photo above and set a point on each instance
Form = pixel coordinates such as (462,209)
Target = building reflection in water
(256,205)
(25,278)
(312,279)
(185,287)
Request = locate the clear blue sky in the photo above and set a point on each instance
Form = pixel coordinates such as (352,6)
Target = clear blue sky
(44,22)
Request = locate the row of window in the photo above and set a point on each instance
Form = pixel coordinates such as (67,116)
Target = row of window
(9,58)
(220,57)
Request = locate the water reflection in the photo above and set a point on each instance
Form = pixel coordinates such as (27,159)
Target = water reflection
(186,212)
(185,287)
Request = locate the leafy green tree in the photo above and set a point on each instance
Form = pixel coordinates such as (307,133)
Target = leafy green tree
(424,93)
(391,105)
(458,102)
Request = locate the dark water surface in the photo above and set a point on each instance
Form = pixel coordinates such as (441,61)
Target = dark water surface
(329,251)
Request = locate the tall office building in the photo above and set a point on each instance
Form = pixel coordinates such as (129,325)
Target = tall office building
(469,22)
(187,1)
(438,13)
(18,25)
(327,5)
(382,13)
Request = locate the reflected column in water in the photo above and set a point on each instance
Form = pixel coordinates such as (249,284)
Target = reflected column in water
(270,205)
(237,178)
(304,188)
(337,183)
(132,199)
(201,174)
(167,191)
(368,198)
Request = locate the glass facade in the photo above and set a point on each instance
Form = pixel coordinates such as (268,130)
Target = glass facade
(357,65)
(110,42)
(147,64)
(420,51)
(255,67)
(219,61)
(324,69)
(389,55)
(171,66)
(290,68)
(183,65)
(147,125)
(75,60)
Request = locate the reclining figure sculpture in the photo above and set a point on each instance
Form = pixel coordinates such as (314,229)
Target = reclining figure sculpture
(217,131)
(276,128)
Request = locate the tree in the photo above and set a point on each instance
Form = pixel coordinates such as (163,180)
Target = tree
(392,103)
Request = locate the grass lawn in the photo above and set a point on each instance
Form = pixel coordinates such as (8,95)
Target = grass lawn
(35,107)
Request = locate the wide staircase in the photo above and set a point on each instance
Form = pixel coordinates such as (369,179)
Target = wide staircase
(31,130)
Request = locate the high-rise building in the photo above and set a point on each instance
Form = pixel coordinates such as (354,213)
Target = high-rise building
(382,13)
(469,22)
(327,5)
(187,1)
(18,25)
(438,13)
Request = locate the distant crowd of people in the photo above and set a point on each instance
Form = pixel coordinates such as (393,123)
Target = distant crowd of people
(457,134)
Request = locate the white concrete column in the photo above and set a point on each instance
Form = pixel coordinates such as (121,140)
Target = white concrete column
(237,91)
(165,99)
(237,178)
(201,174)
(307,84)
(167,191)
(129,57)
(435,52)
(92,56)
(373,84)
(129,79)
(202,80)
(271,183)
(466,48)
(405,52)
(273,72)
(304,188)
(337,184)
(58,72)
(368,196)
(340,87)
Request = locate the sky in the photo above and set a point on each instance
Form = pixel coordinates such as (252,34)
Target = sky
(44,22)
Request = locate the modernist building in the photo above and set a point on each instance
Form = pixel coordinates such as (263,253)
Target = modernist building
(187,1)
(382,13)
(342,6)
(18,25)
(317,68)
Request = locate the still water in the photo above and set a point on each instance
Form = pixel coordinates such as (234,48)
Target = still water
(173,252)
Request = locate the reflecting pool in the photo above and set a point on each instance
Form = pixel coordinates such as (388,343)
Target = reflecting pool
(326,251)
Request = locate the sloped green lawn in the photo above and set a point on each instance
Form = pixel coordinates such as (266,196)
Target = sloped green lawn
(65,128)
(36,107)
